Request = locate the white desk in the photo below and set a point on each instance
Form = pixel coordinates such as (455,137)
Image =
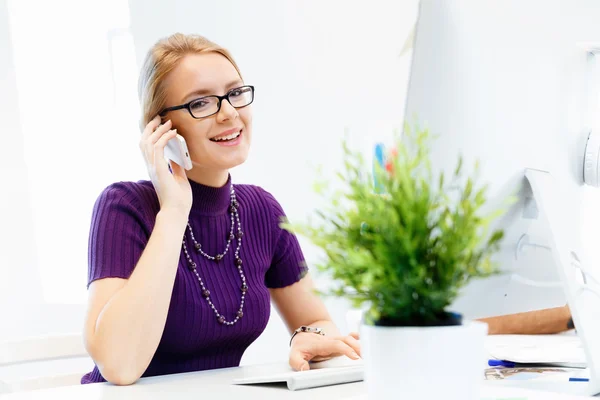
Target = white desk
(216,385)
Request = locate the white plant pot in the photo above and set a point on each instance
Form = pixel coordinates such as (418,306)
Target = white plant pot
(424,362)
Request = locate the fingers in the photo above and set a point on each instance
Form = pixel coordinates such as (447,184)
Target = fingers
(298,361)
(319,347)
(159,131)
(352,342)
(152,133)
(178,171)
(159,153)
(160,144)
(355,335)
(348,351)
(151,126)
(336,347)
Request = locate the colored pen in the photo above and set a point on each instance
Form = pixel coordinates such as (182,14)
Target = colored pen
(379,159)
(572,379)
(501,363)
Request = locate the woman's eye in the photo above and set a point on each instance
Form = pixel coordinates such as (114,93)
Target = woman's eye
(199,104)
(237,92)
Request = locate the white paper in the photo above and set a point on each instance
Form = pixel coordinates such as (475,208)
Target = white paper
(537,349)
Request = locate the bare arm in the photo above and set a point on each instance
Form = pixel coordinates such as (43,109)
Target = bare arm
(126,318)
(548,321)
(298,305)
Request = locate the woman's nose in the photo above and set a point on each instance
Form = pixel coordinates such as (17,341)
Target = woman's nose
(227,111)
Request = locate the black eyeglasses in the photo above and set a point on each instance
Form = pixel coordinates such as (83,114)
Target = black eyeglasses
(209,105)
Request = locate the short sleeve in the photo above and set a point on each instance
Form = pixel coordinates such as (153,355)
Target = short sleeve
(117,234)
(288,265)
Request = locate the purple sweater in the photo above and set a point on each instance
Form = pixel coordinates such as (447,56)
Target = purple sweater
(193,340)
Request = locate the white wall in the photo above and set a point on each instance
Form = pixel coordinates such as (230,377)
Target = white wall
(341,58)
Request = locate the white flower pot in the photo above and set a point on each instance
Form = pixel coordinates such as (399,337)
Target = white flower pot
(417,363)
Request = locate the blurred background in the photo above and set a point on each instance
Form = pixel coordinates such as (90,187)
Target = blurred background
(70,113)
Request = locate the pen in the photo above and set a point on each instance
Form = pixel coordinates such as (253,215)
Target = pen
(501,363)
(379,160)
(572,379)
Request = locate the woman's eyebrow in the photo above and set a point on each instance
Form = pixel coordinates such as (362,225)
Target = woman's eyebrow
(203,92)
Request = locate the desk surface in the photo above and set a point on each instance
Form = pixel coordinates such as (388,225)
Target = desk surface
(216,385)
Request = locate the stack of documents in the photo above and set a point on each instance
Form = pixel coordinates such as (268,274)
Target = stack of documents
(554,350)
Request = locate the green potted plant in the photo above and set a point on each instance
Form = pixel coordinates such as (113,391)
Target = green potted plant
(400,243)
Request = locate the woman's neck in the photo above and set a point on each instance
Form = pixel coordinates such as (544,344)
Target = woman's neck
(212,178)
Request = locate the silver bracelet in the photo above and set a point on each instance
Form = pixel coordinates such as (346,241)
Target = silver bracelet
(309,329)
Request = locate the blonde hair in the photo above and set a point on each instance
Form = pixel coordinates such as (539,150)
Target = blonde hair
(160,60)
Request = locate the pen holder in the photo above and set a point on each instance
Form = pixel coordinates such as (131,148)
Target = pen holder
(445,362)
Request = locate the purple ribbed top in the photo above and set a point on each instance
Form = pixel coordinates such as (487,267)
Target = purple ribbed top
(193,340)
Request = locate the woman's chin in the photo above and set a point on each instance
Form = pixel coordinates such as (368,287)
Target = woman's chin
(235,163)
(219,160)
(225,163)
(234,160)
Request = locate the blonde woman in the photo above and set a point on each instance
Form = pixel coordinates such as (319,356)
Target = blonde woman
(182,268)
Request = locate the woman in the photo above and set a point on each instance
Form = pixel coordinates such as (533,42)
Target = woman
(182,268)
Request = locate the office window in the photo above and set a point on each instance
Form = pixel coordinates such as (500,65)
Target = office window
(76,79)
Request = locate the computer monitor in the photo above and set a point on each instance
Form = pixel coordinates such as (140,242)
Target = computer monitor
(512,84)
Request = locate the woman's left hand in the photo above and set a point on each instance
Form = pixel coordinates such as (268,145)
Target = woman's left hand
(308,346)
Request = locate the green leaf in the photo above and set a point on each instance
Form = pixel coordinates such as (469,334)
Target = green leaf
(405,253)
(458,166)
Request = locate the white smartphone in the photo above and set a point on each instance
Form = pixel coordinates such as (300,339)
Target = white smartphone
(177,151)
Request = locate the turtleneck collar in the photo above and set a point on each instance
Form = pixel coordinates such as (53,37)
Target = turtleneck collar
(211,200)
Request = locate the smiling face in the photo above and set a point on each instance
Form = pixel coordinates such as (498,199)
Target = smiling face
(220,141)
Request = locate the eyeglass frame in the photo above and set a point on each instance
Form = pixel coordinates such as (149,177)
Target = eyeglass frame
(221,98)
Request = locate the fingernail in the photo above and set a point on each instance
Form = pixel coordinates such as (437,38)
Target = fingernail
(354,355)
(303,368)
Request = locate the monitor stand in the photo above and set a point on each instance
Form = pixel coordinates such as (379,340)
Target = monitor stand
(582,288)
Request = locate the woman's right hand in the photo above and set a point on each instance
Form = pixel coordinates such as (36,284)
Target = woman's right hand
(173,189)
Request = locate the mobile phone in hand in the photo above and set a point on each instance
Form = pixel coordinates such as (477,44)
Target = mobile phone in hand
(177,151)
